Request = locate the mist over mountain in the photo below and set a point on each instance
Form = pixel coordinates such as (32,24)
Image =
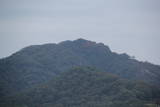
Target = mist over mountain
(41,64)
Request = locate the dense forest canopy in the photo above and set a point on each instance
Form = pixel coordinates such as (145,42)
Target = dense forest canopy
(77,73)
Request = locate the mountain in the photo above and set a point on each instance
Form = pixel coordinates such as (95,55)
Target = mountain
(38,64)
(85,87)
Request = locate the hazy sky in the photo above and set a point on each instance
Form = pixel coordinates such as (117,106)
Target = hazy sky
(131,26)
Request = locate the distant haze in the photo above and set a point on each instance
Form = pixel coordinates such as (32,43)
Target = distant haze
(126,26)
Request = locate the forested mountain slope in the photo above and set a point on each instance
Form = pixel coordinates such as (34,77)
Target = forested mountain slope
(38,64)
(85,87)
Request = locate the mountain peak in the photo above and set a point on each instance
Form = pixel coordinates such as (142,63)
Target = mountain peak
(38,64)
(83,41)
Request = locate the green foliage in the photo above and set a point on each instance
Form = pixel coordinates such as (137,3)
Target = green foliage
(39,64)
(85,87)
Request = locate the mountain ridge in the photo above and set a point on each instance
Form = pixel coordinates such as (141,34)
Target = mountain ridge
(40,63)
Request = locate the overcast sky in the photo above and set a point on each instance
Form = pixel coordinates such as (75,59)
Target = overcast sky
(130,26)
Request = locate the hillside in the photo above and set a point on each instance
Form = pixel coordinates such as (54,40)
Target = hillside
(37,64)
(85,87)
